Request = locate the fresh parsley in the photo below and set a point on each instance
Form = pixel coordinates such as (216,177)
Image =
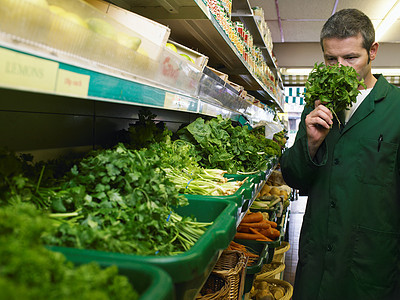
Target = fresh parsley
(335,86)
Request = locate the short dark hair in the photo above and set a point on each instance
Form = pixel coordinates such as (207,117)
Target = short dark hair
(348,23)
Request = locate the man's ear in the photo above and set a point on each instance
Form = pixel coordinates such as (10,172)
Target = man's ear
(373,51)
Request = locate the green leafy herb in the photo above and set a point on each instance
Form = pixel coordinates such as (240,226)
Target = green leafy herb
(30,271)
(335,86)
(220,145)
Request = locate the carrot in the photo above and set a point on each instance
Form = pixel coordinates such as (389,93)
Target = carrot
(246,236)
(265,232)
(250,236)
(262,224)
(272,233)
(260,236)
(243,229)
(253,217)
(273,224)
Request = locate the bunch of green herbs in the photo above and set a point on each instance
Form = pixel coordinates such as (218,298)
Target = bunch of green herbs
(120,200)
(335,86)
(28,270)
(220,145)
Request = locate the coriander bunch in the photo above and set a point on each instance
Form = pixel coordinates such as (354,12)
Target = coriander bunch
(335,86)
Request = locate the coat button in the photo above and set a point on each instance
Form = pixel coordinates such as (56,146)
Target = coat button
(336,161)
(329,247)
(333,204)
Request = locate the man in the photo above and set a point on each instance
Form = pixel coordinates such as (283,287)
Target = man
(349,243)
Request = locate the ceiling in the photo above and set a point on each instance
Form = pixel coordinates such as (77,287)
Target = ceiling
(295,27)
(302,20)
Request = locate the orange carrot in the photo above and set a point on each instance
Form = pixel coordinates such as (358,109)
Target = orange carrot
(243,229)
(260,236)
(253,217)
(261,224)
(273,224)
(249,236)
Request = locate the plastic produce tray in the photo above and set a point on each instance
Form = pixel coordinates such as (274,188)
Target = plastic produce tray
(188,270)
(260,249)
(241,197)
(149,281)
(271,245)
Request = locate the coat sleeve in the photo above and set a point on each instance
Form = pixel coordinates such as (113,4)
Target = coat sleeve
(298,169)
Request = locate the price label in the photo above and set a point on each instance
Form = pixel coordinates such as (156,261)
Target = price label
(71,83)
(18,70)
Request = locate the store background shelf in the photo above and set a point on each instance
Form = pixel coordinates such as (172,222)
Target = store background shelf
(192,24)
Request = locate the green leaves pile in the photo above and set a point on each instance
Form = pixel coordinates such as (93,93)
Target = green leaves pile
(122,202)
(30,271)
(220,145)
(336,86)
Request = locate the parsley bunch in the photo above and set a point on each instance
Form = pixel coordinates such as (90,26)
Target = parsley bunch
(335,86)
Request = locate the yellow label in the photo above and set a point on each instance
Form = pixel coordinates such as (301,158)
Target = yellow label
(71,83)
(19,70)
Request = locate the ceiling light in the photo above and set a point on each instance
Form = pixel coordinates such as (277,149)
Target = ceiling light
(306,71)
(296,71)
(387,21)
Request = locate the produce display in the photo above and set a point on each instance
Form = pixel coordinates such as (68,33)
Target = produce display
(179,158)
(274,195)
(254,226)
(335,86)
(264,290)
(121,198)
(29,271)
(252,257)
(235,149)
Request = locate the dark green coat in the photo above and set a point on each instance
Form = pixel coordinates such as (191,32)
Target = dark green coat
(349,244)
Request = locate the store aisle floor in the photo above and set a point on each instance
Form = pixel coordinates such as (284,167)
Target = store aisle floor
(297,209)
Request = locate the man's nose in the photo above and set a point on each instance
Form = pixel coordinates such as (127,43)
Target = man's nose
(342,62)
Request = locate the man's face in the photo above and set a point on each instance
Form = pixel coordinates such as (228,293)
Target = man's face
(348,52)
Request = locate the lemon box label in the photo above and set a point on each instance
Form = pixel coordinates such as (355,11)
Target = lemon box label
(71,83)
(19,70)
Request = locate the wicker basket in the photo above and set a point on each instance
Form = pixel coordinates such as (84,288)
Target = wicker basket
(276,282)
(215,288)
(270,270)
(280,251)
(232,266)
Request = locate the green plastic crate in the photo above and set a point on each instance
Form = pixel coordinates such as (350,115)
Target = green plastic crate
(241,197)
(149,281)
(188,270)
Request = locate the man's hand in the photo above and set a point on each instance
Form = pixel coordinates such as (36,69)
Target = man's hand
(318,124)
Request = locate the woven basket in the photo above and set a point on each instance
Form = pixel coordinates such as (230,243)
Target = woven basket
(215,288)
(270,270)
(280,251)
(284,247)
(232,266)
(276,282)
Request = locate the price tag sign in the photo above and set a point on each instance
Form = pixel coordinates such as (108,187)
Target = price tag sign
(179,102)
(18,70)
(71,83)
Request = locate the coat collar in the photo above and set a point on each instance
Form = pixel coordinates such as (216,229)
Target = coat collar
(378,93)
